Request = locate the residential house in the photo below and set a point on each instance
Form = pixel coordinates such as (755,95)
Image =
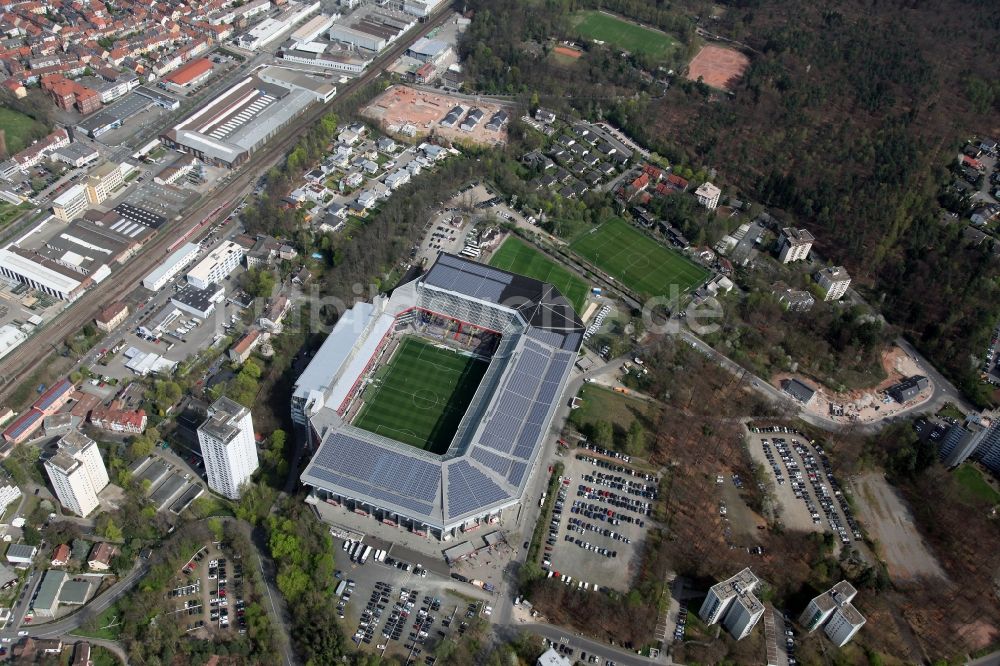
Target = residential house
(61,555)
(111,317)
(101,556)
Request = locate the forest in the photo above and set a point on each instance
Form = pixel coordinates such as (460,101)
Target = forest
(844,124)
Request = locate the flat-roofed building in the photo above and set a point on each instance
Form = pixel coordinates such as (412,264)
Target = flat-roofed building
(322,91)
(76,154)
(21,554)
(833,611)
(171,267)
(77,473)
(71,204)
(708,195)
(41,273)
(226,130)
(795,244)
(103,181)
(198,302)
(834,282)
(733,603)
(217,266)
(228,447)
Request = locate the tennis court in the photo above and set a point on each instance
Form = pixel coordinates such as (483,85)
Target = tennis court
(639,262)
(421,394)
(518,257)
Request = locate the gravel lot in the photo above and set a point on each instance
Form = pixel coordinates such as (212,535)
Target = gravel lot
(890,522)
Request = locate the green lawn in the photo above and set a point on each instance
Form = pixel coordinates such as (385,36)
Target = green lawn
(623,34)
(642,264)
(598,403)
(975,486)
(20,130)
(518,257)
(420,396)
(106,625)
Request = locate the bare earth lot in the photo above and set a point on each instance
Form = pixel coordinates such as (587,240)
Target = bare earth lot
(889,521)
(402,105)
(718,66)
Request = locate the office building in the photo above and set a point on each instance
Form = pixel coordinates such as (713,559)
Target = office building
(77,473)
(733,603)
(171,267)
(228,447)
(833,281)
(71,203)
(708,195)
(833,611)
(552,658)
(217,266)
(103,181)
(795,244)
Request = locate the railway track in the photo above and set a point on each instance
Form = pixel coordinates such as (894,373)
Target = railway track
(33,353)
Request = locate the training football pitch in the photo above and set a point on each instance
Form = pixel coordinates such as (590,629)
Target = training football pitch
(518,257)
(638,261)
(420,395)
(623,34)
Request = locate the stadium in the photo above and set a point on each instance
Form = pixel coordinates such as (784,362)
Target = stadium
(428,408)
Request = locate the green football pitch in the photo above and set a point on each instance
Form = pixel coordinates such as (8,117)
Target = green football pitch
(421,394)
(623,34)
(638,261)
(518,257)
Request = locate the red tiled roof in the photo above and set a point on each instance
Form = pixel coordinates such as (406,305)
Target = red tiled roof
(189,72)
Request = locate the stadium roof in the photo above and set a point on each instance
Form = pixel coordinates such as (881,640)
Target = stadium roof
(488,463)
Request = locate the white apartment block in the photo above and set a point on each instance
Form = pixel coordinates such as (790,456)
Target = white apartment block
(70,204)
(219,263)
(708,195)
(834,282)
(795,244)
(228,447)
(77,473)
(733,603)
(833,611)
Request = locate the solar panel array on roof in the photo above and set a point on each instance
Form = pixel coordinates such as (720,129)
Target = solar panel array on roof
(378,466)
(497,463)
(469,489)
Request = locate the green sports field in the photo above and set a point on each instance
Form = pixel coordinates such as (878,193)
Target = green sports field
(638,261)
(518,257)
(623,34)
(420,396)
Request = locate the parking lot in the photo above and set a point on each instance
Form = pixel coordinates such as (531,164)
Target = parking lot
(209,594)
(810,496)
(598,522)
(395,606)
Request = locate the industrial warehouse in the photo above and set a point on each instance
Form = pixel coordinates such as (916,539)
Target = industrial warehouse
(485,356)
(63,261)
(226,131)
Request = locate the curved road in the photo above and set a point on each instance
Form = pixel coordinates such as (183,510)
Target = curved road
(63,626)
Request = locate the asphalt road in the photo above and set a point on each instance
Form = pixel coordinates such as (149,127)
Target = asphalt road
(33,354)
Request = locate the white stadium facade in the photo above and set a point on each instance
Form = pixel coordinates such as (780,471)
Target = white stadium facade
(536,337)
